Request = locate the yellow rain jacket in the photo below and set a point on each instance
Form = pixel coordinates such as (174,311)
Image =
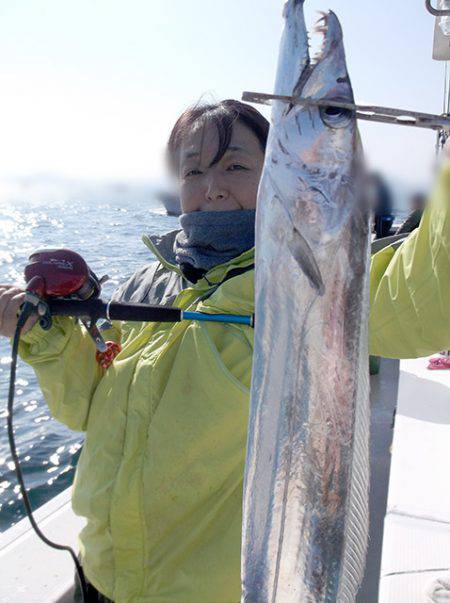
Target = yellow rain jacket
(160,476)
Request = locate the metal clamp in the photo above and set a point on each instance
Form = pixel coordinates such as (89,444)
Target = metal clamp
(436,12)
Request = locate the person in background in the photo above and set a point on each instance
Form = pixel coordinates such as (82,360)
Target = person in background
(416,206)
(380,199)
(160,477)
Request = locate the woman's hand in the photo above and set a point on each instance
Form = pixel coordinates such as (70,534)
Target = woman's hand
(11,298)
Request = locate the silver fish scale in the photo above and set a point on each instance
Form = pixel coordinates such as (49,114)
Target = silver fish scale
(306,485)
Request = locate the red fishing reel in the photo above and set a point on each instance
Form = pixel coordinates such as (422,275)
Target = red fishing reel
(62,273)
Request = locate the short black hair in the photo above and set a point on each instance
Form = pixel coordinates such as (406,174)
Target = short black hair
(223,115)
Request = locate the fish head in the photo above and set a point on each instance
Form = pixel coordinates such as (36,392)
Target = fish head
(318,148)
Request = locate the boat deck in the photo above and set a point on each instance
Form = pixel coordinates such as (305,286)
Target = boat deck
(416,544)
(31,571)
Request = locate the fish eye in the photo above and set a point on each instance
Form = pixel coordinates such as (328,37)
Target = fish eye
(333,111)
(336,117)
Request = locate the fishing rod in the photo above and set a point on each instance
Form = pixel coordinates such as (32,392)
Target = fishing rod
(97,309)
(60,283)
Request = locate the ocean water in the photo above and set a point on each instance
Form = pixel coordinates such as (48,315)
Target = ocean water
(108,236)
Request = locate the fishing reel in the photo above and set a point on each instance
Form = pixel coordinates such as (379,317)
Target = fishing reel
(62,274)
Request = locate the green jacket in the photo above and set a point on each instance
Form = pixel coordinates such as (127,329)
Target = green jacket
(160,476)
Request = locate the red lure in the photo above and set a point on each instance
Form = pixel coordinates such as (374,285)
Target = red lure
(106,358)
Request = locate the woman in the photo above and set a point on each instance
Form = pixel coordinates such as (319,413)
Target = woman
(160,476)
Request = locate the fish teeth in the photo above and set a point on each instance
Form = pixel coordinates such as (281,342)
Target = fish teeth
(321,28)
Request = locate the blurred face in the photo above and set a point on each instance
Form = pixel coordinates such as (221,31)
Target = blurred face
(230,184)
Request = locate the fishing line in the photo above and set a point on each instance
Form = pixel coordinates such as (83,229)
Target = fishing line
(26,312)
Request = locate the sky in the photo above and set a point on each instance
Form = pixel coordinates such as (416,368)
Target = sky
(91,89)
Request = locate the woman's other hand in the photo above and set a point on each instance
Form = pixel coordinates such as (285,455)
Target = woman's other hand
(11,299)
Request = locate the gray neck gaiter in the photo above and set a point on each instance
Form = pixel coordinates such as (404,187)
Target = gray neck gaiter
(210,238)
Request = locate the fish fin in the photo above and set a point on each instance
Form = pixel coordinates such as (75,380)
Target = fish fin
(304,256)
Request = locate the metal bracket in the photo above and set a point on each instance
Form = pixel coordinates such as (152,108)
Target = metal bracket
(387,115)
(434,11)
(95,334)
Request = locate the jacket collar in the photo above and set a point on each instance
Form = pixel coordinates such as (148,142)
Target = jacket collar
(162,248)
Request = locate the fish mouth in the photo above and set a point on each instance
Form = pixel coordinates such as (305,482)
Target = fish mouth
(329,28)
(322,76)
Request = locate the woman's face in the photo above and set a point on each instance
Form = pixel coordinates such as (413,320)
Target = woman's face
(230,184)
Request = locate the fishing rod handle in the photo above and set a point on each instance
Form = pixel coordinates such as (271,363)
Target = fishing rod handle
(97,308)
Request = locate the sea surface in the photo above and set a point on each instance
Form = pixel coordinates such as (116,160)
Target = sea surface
(108,236)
